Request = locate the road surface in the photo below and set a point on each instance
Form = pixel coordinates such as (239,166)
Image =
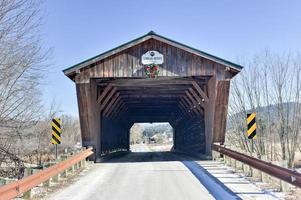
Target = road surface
(149,176)
(137,176)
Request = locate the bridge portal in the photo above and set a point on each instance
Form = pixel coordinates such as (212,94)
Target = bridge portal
(189,89)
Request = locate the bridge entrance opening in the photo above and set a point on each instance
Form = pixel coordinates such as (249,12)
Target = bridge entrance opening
(151,137)
(188,88)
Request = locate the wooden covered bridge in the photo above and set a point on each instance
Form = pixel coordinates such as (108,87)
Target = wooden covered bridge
(188,88)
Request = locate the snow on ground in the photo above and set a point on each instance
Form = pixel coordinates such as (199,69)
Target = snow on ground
(237,183)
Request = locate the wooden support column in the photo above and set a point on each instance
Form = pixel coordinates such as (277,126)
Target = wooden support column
(221,110)
(216,111)
(209,114)
(89,114)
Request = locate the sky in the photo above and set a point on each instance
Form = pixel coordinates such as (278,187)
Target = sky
(76,30)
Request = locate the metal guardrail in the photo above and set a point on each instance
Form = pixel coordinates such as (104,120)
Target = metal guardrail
(23,185)
(287,175)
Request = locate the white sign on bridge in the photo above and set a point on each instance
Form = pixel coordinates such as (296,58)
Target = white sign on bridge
(152,57)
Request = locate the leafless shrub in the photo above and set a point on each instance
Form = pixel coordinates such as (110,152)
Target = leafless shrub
(21,68)
(270,85)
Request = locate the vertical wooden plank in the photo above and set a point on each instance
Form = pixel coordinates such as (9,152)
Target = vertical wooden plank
(89,114)
(209,114)
(140,70)
(221,109)
(193,69)
(165,72)
(169,67)
(98,70)
(202,67)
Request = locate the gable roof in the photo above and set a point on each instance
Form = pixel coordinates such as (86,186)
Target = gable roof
(143,38)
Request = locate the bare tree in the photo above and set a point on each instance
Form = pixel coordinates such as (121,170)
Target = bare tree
(269,85)
(21,69)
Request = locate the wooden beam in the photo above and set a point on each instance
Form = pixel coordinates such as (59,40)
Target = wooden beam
(115,108)
(104,93)
(151,92)
(196,104)
(197,98)
(200,91)
(189,107)
(111,103)
(107,98)
(121,111)
(183,111)
(146,82)
(155,87)
(182,108)
(193,102)
(152,96)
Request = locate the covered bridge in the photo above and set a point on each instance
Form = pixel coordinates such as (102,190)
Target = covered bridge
(188,88)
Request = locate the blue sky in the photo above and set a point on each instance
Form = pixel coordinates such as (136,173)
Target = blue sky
(78,29)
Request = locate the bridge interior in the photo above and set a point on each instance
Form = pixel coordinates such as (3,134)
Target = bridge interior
(173,100)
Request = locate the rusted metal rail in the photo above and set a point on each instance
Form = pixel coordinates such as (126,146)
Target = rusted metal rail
(282,173)
(21,186)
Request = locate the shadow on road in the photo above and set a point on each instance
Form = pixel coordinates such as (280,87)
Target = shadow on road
(129,157)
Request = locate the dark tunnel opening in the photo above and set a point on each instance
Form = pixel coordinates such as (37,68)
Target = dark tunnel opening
(168,100)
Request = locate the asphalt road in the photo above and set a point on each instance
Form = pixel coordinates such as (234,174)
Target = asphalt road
(137,176)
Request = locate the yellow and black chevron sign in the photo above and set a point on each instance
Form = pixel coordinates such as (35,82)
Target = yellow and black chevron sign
(251,122)
(56,131)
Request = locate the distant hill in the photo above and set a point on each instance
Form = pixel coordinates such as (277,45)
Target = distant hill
(262,113)
(152,129)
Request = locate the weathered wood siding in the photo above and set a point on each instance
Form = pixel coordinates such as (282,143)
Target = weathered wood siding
(221,110)
(190,135)
(177,62)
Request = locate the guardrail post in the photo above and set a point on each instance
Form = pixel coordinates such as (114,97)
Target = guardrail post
(284,186)
(79,165)
(227,160)
(64,174)
(214,155)
(56,178)
(2,181)
(27,195)
(264,177)
(233,163)
(47,183)
(83,163)
(248,170)
(71,169)
(257,174)
(76,166)
(240,165)
(27,171)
